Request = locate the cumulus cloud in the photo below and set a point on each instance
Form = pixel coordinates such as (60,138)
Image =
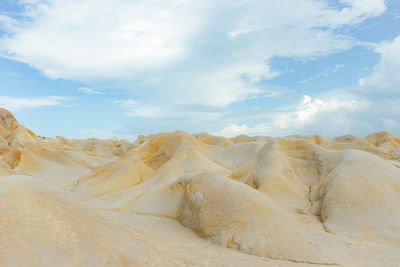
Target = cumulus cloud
(374,105)
(385,79)
(186,62)
(323,116)
(19,103)
(180,51)
(95,39)
(333,114)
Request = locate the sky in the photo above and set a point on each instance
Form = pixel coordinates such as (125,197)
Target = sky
(121,68)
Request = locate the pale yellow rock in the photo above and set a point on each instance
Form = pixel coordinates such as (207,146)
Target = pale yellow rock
(237,216)
(213,140)
(163,196)
(111,146)
(7,120)
(385,141)
(167,148)
(114,176)
(5,169)
(173,199)
(360,199)
(41,226)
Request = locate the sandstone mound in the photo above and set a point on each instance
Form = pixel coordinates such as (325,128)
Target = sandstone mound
(236,216)
(173,199)
(360,198)
(41,226)
(114,176)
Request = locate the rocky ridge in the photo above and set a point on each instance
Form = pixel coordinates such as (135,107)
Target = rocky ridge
(175,199)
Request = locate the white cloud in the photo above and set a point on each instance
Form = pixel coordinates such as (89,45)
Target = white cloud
(374,105)
(327,117)
(134,109)
(324,74)
(361,9)
(179,51)
(89,91)
(93,39)
(19,103)
(385,79)
(7,22)
(169,112)
(233,130)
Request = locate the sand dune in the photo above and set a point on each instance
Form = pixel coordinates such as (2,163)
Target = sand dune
(175,199)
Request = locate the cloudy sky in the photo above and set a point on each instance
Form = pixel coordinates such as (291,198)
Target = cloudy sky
(103,68)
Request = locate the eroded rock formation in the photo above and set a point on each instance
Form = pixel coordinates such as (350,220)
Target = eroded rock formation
(175,199)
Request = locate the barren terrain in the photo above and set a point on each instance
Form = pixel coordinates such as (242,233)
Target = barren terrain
(175,199)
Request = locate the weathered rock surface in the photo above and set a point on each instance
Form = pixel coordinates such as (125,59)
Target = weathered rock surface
(175,199)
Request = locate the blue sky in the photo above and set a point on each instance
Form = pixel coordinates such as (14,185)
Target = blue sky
(102,68)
